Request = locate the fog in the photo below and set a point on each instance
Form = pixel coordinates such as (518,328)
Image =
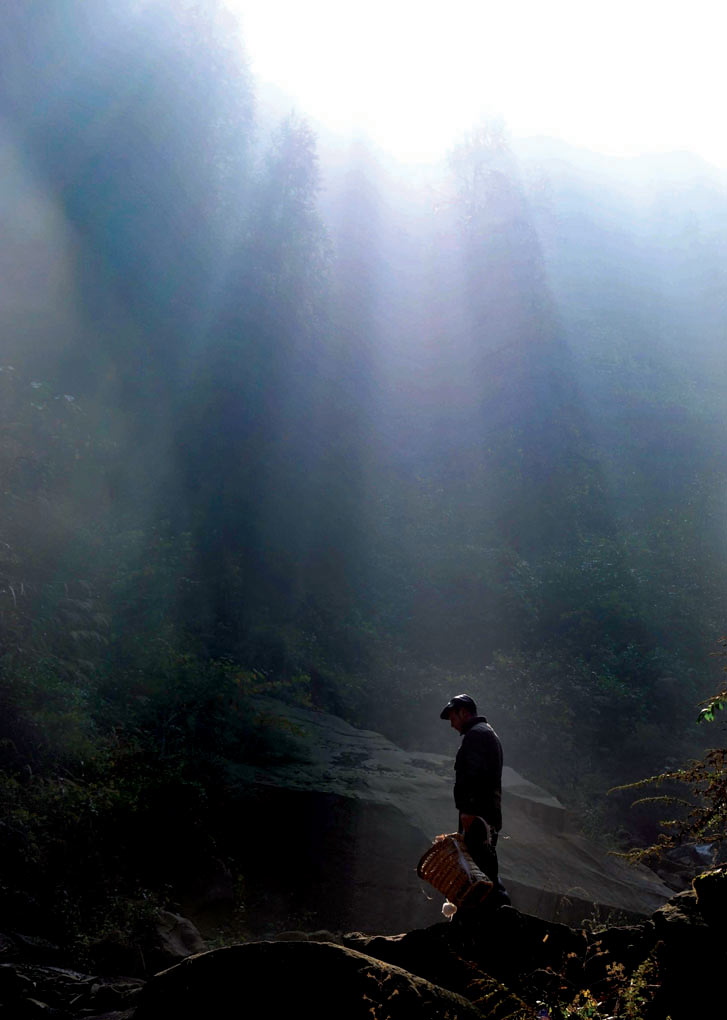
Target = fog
(285,407)
(621,80)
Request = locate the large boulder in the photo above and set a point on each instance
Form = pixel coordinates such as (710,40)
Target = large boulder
(333,833)
(174,939)
(291,979)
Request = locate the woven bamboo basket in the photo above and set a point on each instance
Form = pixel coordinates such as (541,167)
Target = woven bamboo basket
(447,866)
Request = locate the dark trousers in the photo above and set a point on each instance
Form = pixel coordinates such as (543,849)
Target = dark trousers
(483,853)
(482,850)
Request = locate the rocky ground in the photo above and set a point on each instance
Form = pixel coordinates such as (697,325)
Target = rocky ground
(499,964)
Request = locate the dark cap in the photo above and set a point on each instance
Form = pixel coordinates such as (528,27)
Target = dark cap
(458,701)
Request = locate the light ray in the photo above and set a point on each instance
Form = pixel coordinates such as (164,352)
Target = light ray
(620,77)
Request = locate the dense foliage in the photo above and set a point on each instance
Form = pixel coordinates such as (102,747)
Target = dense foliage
(692,798)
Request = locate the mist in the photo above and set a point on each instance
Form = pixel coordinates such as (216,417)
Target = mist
(288,415)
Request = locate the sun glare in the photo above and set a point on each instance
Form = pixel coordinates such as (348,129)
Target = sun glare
(618,77)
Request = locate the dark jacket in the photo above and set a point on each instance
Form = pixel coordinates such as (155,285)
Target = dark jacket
(478,772)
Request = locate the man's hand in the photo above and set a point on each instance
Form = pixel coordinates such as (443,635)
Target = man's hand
(482,830)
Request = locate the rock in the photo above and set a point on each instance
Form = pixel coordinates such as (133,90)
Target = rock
(176,939)
(123,1014)
(104,995)
(710,889)
(359,812)
(30,990)
(289,979)
(681,922)
(488,961)
(35,1009)
(670,966)
(171,939)
(507,946)
(326,936)
(678,865)
(690,954)
(494,962)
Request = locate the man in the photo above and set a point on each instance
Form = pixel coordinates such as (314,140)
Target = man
(478,786)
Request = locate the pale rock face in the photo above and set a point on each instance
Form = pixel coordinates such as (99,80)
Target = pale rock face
(178,937)
(335,831)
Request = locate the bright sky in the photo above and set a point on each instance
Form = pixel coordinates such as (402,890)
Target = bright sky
(618,76)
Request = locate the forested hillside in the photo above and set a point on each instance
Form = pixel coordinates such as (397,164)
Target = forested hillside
(333,430)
